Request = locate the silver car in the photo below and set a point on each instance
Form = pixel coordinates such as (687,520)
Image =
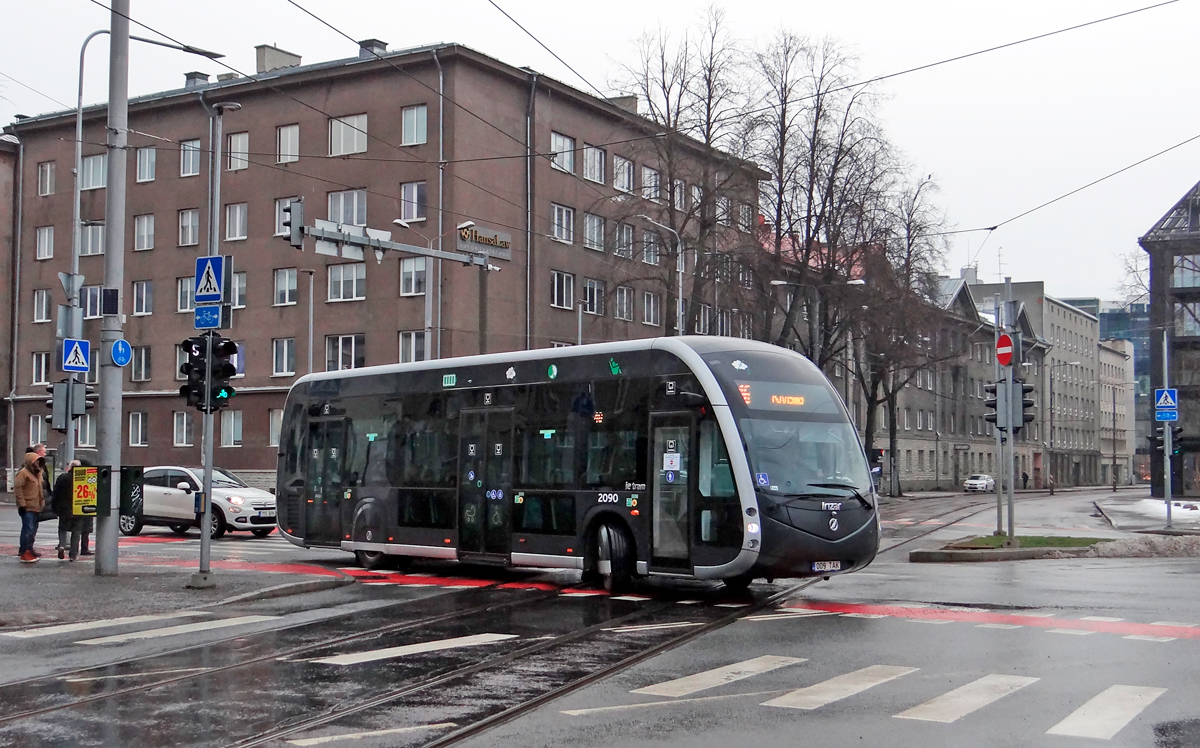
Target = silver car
(169,499)
(979,482)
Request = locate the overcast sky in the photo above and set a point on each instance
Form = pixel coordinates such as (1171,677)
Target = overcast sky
(1001,132)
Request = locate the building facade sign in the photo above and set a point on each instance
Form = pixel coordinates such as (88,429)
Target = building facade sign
(477,239)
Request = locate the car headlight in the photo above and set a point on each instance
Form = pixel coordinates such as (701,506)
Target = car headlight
(236,500)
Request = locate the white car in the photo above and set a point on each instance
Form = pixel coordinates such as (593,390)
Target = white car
(169,499)
(979,482)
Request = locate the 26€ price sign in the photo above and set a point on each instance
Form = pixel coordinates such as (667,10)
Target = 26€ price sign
(84,489)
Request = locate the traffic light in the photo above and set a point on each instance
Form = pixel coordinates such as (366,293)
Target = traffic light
(997,400)
(57,405)
(83,398)
(293,222)
(1022,402)
(1176,440)
(196,350)
(222,370)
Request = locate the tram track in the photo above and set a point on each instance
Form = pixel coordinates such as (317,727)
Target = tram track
(977,507)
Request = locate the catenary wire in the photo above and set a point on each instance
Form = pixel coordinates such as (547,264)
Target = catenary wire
(39,93)
(529,33)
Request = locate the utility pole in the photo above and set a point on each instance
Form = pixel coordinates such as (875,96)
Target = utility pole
(110,409)
(1168,435)
(1114,437)
(999,324)
(1010,457)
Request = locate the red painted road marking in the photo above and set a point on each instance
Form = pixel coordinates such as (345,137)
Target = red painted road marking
(967,616)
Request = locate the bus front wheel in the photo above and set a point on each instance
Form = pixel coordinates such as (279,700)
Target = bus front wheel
(614,557)
(372,560)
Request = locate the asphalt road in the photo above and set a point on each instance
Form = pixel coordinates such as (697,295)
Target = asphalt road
(1056,653)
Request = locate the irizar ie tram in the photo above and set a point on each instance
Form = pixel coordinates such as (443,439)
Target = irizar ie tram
(694,457)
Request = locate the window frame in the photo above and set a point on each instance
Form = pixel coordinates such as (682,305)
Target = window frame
(89,300)
(562,287)
(237,216)
(408,137)
(623,303)
(651,187)
(409,349)
(359,207)
(139,234)
(594,290)
(651,309)
(184,287)
(592,240)
(240,292)
(143,428)
(288,346)
(185,427)
(193,228)
(562,223)
(91,239)
(623,238)
(562,152)
(359,282)
(40,368)
(41,305)
(231,424)
(595,159)
(87,175)
(146,164)
(45,178)
(189,155)
(287,156)
(413,208)
(143,298)
(622,174)
(290,289)
(280,204)
(43,243)
(358,353)
(412,276)
(340,127)
(140,364)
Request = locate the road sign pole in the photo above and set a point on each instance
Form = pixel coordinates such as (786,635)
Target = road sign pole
(999,444)
(1167,435)
(204,578)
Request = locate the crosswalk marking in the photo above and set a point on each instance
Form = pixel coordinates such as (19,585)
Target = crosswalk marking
(176,630)
(840,687)
(67,628)
(718,676)
(655,626)
(1073,632)
(863,615)
(998,626)
(781,616)
(147,674)
(371,734)
(963,700)
(1144,638)
(928,620)
(1104,715)
(649,704)
(1174,623)
(1102,619)
(408,649)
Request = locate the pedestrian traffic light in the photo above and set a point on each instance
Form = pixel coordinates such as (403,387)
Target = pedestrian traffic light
(293,222)
(196,351)
(1022,403)
(57,405)
(997,400)
(223,369)
(1176,440)
(83,398)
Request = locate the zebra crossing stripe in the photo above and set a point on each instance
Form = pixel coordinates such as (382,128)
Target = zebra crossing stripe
(176,630)
(718,676)
(963,700)
(840,687)
(1106,714)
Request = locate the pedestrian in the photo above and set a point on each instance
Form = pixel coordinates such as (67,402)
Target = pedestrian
(1024,479)
(27,488)
(61,500)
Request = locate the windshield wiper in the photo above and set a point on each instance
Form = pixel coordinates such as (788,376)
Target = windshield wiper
(844,487)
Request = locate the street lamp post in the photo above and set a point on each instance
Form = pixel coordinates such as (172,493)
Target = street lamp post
(679,317)
(1052,367)
(312,274)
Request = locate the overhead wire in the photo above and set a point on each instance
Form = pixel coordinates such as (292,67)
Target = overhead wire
(39,93)
(530,34)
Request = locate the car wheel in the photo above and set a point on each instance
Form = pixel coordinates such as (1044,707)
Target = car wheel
(262,532)
(218,524)
(614,554)
(130,524)
(180,529)
(372,560)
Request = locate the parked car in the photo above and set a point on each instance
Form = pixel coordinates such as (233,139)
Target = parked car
(169,499)
(979,482)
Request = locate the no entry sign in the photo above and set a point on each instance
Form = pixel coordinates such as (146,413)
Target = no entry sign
(1004,350)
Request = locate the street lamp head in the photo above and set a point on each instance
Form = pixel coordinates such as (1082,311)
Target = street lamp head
(401,222)
(466,225)
(227,106)
(779,283)
(202,52)
(856,282)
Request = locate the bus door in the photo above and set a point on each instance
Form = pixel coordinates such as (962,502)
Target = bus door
(671,486)
(323,499)
(485,483)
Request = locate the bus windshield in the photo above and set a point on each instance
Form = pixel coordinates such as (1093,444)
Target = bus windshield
(795,457)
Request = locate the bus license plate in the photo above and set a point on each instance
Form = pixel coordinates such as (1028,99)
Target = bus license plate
(827,565)
(267,513)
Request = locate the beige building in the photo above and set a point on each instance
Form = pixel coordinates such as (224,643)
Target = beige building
(1115,411)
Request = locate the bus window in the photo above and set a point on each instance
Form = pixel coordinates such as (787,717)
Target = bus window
(422,449)
(549,515)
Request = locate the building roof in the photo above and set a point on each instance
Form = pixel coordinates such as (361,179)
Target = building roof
(1177,223)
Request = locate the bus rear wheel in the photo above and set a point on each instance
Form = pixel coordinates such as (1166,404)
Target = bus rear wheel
(372,560)
(614,557)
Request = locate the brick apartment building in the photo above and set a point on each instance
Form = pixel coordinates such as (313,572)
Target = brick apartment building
(438,136)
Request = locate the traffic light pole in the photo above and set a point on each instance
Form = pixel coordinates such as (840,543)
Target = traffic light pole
(1168,432)
(999,440)
(204,578)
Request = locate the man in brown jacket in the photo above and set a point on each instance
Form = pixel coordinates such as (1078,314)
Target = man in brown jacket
(27,487)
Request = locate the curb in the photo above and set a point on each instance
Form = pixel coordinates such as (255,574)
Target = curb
(999,554)
(1167,532)
(285,590)
(1104,514)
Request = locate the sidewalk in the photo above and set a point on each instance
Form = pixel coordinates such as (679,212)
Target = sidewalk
(1142,514)
(1019,491)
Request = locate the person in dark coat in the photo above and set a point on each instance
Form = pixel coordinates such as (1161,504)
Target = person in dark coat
(61,502)
(1024,479)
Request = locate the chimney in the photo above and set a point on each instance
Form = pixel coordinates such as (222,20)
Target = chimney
(369,48)
(193,79)
(270,58)
(222,77)
(970,275)
(628,103)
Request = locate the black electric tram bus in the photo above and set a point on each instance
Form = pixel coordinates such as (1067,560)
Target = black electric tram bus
(696,457)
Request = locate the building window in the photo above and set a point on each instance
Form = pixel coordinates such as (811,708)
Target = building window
(623,303)
(37,429)
(623,241)
(412,201)
(183,294)
(93,373)
(143,232)
(651,309)
(280,204)
(41,305)
(413,125)
(41,367)
(560,344)
(285,286)
(562,152)
(143,298)
(703,319)
(140,366)
(348,282)
(91,239)
(89,299)
(239,359)
(907,419)
(45,171)
(679,195)
(146,158)
(724,211)
(345,352)
(95,172)
(287,144)
(348,135)
(139,429)
(189,227)
(564,223)
(746,217)
(180,359)
(622,174)
(348,207)
(594,160)
(231,428)
(920,420)
(183,428)
(45,242)
(236,220)
(412,347)
(274,426)
(563,293)
(240,291)
(650,248)
(189,158)
(593,231)
(745,324)
(651,185)
(284,355)
(724,323)
(412,276)
(85,435)
(593,296)
(745,276)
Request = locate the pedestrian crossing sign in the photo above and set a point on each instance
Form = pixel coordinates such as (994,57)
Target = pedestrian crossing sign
(76,355)
(1165,399)
(210,280)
